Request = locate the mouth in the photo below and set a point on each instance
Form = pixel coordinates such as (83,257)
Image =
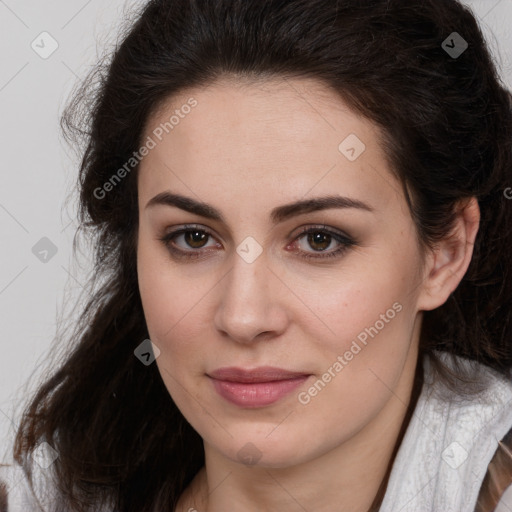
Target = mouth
(256,387)
(261,374)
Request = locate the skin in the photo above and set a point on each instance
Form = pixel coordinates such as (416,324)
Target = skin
(245,149)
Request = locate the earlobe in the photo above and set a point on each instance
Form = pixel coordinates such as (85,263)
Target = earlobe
(447,263)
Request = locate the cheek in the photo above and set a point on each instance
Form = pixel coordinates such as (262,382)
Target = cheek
(169,296)
(154,293)
(373,320)
(358,369)
(171,308)
(365,299)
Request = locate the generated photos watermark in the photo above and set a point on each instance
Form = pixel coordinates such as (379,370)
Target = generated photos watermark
(305,397)
(151,143)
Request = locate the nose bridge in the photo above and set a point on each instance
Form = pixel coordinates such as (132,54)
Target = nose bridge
(248,278)
(249,305)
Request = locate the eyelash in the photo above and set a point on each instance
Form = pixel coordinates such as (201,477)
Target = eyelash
(344,240)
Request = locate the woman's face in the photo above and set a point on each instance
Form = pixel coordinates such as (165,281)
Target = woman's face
(246,288)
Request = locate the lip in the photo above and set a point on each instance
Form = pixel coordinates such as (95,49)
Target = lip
(260,374)
(256,387)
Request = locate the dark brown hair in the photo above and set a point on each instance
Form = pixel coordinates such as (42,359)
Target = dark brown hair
(447,127)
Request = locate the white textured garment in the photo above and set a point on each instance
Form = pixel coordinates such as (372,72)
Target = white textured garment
(439,467)
(448,445)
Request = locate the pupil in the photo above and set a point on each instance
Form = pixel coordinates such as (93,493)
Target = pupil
(319,238)
(194,238)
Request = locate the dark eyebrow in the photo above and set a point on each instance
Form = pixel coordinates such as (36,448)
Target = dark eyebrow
(278,214)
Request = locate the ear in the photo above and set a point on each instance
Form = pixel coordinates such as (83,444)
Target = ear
(447,263)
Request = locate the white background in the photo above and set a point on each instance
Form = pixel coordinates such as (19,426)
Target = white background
(38,171)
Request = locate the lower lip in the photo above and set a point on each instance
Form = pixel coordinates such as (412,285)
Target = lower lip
(256,394)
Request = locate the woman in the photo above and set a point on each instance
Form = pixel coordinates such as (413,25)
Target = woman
(303,256)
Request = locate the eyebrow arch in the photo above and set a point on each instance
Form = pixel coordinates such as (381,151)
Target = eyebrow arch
(278,214)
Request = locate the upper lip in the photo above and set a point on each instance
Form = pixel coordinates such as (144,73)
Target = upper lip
(261,374)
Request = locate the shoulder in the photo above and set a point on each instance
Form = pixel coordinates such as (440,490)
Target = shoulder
(16,493)
(451,439)
(484,421)
(496,488)
(482,399)
(37,492)
(494,388)
(505,503)
(478,413)
(30,487)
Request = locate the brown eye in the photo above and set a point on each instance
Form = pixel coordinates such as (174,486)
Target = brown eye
(312,243)
(319,241)
(189,242)
(321,238)
(195,238)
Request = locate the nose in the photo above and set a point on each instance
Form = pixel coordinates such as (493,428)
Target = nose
(251,305)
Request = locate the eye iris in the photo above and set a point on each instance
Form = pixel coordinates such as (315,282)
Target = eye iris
(195,239)
(319,238)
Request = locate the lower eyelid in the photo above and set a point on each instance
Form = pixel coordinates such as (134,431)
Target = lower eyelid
(210,237)
(334,238)
(344,243)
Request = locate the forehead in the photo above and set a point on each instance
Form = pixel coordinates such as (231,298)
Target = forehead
(291,110)
(287,137)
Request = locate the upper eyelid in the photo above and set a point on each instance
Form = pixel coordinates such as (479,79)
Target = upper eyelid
(303,230)
(200,227)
